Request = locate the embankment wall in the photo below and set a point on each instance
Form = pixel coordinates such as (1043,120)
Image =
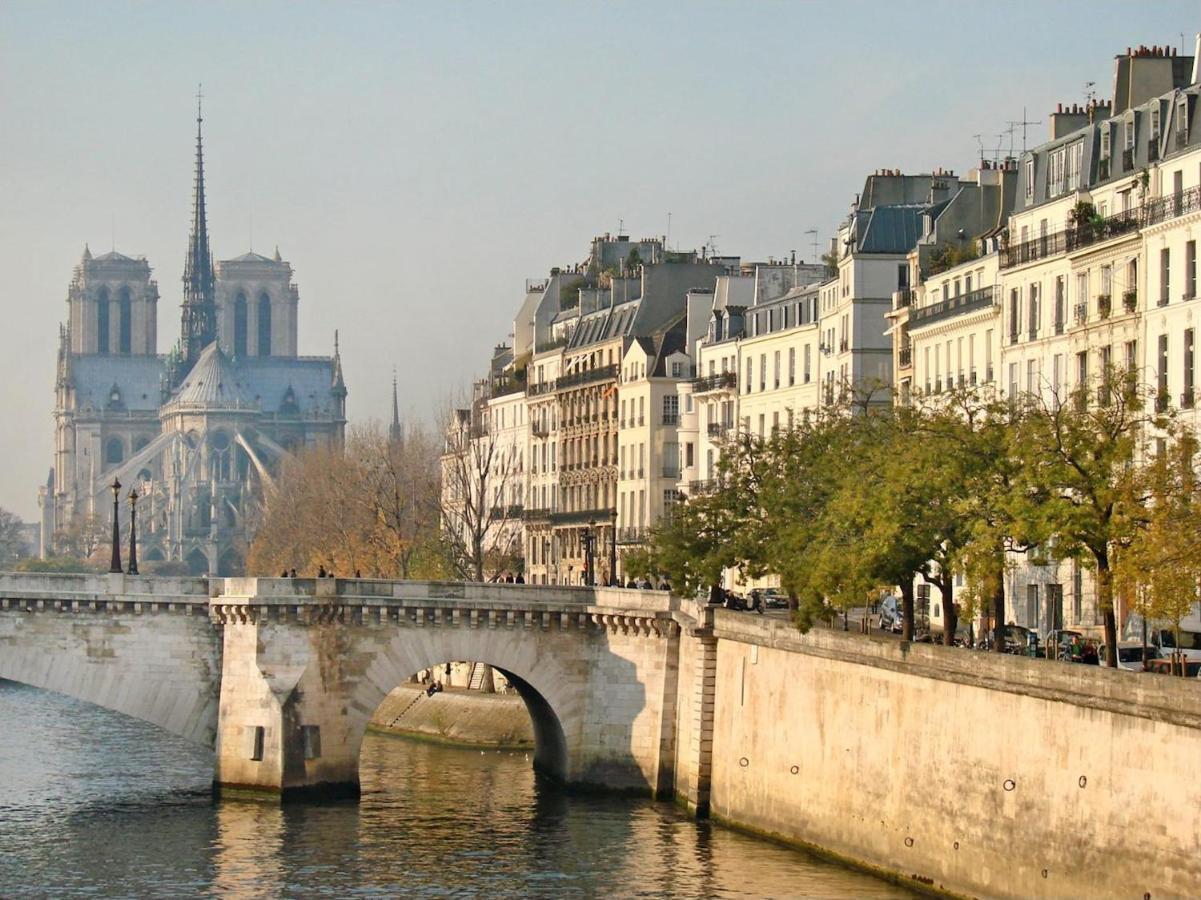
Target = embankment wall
(961,771)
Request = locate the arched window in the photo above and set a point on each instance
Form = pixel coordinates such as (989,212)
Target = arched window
(240,325)
(219,450)
(264,325)
(124,322)
(102,321)
(114,451)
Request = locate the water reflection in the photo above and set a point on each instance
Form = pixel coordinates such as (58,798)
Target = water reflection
(118,808)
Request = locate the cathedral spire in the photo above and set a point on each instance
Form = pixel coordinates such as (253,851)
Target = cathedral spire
(394,433)
(199,327)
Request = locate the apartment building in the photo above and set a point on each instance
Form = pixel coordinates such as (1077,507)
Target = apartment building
(542,499)
(649,418)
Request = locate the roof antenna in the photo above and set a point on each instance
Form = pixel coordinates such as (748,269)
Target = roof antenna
(813,231)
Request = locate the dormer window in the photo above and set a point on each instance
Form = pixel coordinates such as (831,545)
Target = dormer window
(1182,122)
(114,400)
(1155,123)
(1030,178)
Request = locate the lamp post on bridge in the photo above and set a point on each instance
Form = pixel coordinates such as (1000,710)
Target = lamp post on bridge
(114,566)
(613,546)
(133,533)
(590,554)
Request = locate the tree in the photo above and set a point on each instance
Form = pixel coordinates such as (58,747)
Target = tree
(479,499)
(84,538)
(370,508)
(1160,567)
(402,490)
(1075,468)
(12,539)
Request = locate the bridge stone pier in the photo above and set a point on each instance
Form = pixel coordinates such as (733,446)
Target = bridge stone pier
(282,676)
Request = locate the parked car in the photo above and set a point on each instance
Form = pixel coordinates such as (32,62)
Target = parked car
(1130,656)
(774,599)
(889,615)
(1017,639)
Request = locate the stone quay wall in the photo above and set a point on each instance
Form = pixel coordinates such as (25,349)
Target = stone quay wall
(952,770)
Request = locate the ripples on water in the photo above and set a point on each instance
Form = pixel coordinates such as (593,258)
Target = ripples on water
(93,804)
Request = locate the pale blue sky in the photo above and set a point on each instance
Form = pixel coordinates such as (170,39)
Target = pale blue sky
(416,162)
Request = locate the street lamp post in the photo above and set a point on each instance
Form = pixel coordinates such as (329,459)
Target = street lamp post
(133,532)
(590,551)
(115,565)
(613,546)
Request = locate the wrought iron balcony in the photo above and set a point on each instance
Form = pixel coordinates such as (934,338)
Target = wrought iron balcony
(633,534)
(953,306)
(716,429)
(582,517)
(588,376)
(1172,206)
(719,382)
(905,357)
(1073,238)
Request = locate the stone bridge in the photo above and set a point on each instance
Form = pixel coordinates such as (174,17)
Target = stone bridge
(960,771)
(282,676)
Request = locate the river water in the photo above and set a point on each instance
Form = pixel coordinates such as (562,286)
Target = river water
(94,804)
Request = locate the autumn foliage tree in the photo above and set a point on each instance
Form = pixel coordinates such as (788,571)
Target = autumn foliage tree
(370,508)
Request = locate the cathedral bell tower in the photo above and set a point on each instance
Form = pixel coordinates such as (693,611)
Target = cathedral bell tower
(199,327)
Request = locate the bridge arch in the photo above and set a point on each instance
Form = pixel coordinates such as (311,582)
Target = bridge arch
(152,654)
(553,698)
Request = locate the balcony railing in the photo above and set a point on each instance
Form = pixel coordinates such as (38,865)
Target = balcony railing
(1172,206)
(542,387)
(582,517)
(1128,159)
(719,382)
(1084,235)
(703,486)
(1130,301)
(540,429)
(905,357)
(513,511)
(537,514)
(588,376)
(716,429)
(633,534)
(953,306)
(905,297)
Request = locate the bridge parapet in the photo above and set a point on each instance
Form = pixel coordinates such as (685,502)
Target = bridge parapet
(309,601)
(519,595)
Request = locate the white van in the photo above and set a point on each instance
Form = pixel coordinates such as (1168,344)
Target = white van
(1161,635)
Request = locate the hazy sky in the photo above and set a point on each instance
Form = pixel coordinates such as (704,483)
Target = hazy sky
(416,162)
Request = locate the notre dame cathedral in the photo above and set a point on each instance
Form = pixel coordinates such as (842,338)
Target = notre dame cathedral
(199,432)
